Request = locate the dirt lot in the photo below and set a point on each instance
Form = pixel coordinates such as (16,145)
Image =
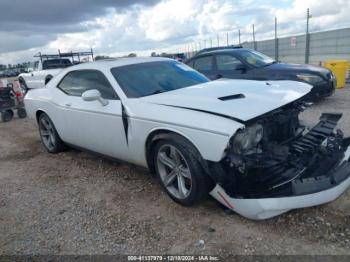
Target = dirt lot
(76,203)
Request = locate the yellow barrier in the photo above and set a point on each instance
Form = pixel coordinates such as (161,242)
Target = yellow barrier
(339,69)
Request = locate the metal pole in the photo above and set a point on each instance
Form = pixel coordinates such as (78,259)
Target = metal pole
(227,38)
(239,36)
(276,40)
(218,40)
(307,45)
(211,42)
(254,43)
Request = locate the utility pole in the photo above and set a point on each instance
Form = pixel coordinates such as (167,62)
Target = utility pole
(307,46)
(276,40)
(239,36)
(254,43)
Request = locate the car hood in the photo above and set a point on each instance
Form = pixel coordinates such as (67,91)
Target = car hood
(240,100)
(297,68)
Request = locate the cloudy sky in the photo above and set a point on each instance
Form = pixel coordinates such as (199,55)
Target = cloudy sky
(118,27)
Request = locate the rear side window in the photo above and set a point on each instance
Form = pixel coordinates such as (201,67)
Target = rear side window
(36,65)
(191,63)
(204,63)
(75,83)
(56,63)
(227,62)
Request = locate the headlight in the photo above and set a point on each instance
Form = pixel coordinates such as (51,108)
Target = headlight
(248,138)
(312,79)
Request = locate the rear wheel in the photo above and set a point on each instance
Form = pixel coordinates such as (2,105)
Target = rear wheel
(180,172)
(49,135)
(23,85)
(6,115)
(22,113)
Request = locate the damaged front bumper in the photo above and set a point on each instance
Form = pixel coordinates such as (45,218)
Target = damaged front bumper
(305,189)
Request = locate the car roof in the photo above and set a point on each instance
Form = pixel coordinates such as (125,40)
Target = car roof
(116,62)
(221,50)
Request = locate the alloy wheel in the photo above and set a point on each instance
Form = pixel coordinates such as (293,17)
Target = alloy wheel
(47,133)
(174,171)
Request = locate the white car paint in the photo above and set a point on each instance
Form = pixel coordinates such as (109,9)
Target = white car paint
(36,75)
(100,128)
(260,97)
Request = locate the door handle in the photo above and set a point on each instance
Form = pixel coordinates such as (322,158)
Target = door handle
(32,74)
(218,76)
(68,105)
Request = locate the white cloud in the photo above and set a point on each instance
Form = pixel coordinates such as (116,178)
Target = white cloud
(172,25)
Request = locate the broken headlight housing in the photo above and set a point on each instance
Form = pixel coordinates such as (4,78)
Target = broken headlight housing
(246,139)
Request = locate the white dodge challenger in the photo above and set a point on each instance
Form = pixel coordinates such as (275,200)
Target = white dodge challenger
(239,140)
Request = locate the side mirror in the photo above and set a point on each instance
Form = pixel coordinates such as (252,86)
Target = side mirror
(241,67)
(94,95)
(29,70)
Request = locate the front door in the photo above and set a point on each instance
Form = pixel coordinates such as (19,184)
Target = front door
(228,66)
(89,124)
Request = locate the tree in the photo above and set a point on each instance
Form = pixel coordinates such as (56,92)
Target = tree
(101,57)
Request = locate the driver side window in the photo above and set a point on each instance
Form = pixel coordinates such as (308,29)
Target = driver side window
(75,83)
(227,62)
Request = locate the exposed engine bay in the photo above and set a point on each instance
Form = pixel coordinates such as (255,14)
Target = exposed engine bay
(276,155)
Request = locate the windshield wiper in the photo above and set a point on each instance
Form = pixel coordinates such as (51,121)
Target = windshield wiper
(156,92)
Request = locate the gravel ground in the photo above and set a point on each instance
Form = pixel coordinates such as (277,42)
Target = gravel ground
(76,203)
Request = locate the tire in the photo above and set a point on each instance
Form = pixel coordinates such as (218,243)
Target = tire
(49,136)
(22,113)
(48,78)
(7,115)
(23,85)
(187,183)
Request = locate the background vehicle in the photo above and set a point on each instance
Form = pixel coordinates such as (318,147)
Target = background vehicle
(11,100)
(240,63)
(198,136)
(40,72)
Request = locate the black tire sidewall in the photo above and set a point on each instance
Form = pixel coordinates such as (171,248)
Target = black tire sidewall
(7,115)
(24,86)
(21,112)
(199,179)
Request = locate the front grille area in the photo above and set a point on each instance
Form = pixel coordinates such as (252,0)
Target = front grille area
(280,171)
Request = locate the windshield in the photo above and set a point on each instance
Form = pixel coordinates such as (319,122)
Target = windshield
(150,78)
(255,58)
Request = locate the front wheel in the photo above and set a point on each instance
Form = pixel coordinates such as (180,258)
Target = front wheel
(49,135)
(6,115)
(180,172)
(22,113)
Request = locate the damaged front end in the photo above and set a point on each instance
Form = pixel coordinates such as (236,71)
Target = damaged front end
(277,158)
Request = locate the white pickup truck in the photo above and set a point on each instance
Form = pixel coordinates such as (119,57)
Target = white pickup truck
(39,73)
